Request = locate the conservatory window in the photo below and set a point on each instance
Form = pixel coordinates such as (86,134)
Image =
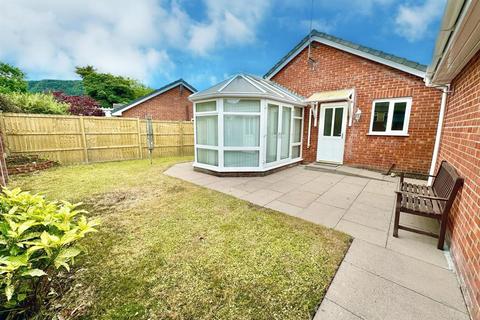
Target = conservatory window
(207,130)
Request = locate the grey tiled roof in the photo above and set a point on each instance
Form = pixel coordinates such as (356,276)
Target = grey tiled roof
(374,52)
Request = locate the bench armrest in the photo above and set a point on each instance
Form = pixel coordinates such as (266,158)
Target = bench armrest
(421,195)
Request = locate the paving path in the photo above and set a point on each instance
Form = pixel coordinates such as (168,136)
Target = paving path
(381,277)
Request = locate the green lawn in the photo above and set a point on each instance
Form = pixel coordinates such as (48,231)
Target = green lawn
(168,249)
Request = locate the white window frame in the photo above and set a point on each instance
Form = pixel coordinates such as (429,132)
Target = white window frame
(208,147)
(391,104)
(294,144)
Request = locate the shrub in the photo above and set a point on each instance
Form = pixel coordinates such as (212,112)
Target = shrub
(37,103)
(6,105)
(37,238)
(79,105)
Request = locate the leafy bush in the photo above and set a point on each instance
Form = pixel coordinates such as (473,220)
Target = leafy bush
(79,105)
(37,103)
(37,238)
(6,105)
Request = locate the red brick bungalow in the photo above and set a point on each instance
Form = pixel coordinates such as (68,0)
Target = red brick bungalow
(168,103)
(389,115)
(456,67)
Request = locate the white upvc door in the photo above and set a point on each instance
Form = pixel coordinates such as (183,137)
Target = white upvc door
(278,134)
(331,132)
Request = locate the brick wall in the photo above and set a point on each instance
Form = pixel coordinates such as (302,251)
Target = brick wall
(336,70)
(460,145)
(172,105)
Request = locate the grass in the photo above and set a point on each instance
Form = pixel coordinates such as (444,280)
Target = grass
(168,249)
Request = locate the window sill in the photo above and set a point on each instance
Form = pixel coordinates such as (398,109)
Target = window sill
(388,134)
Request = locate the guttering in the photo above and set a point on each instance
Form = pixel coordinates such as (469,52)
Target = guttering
(438,136)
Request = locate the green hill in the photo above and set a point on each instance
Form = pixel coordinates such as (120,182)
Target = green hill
(70,87)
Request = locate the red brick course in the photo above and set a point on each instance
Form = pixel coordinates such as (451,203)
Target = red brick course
(335,70)
(30,167)
(171,105)
(460,146)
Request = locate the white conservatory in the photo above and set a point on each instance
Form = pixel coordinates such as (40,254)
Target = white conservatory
(247,124)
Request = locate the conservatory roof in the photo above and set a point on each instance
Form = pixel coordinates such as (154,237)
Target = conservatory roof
(244,85)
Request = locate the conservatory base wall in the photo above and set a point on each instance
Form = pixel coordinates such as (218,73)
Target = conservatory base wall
(247,172)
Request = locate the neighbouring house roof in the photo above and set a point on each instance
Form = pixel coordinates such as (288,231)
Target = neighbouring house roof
(457,42)
(244,85)
(336,95)
(118,110)
(390,60)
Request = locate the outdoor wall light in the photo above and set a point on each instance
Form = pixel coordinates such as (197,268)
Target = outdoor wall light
(357,115)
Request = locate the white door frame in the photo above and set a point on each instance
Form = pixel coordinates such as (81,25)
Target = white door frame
(321,123)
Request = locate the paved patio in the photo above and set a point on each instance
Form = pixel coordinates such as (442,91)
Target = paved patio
(381,277)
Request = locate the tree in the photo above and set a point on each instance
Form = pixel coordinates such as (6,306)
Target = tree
(79,105)
(12,79)
(108,89)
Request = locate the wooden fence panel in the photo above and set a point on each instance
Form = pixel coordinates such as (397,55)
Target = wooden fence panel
(73,139)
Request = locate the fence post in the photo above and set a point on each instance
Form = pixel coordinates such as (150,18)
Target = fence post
(140,153)
(181,138)
(84,139)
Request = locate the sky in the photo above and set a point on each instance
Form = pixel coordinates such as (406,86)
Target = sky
(201,41)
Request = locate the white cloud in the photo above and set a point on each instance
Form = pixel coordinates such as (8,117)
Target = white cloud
(229,22)
(49,38)
(319,25)
(413,21)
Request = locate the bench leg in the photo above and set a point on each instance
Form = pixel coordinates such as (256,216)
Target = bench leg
(443,230)
(397,216)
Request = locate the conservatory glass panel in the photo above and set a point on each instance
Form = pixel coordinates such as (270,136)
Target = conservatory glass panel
(237,105)
(241,131)
(207,156)
(285,143)
(295,152)
(206,106)
(207,130)
(297,112)
(241,158)
(272,132)
(297,130)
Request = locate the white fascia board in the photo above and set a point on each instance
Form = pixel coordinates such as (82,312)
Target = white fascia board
(356,52)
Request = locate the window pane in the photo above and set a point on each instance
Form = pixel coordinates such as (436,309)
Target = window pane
(241,158)
(398,119)
(295,152)
(241,131)
(380,116)
(207,130)
(337,123)
(237,105)
(327,122)
(272,132)
(206,106)
(207,156)
(297,112)
(285,143)
(297,130)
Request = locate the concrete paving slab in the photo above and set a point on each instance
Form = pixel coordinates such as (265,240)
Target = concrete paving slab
(322,214)
(303,177)
(369,216)
(380,187)
(372,297)
(299,198)
(337,199)
(344,187)
(331,311)
(365,233)
(417,246)
(284,186)
(284,207)
(434,282)
(356,180)
(375,200)
(262,196)
(252,185)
